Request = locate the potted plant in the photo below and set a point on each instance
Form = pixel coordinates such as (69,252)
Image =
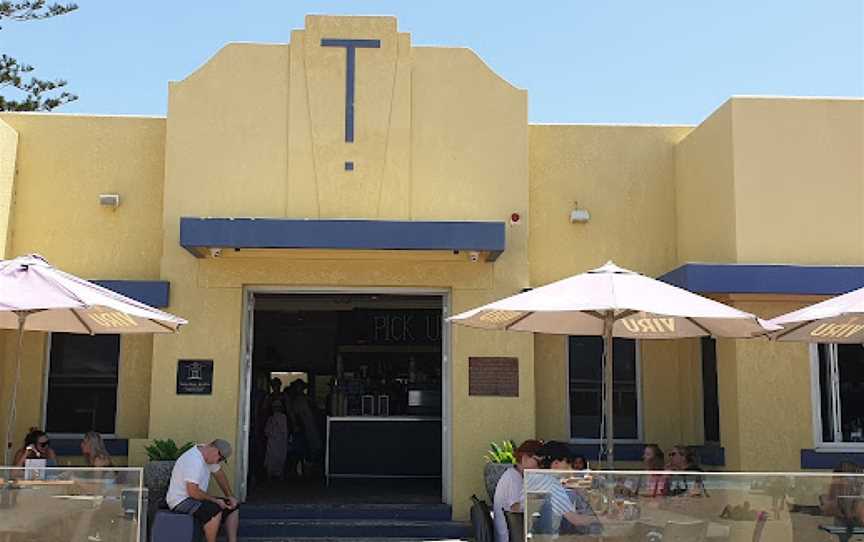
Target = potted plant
(157,472)
(499,458)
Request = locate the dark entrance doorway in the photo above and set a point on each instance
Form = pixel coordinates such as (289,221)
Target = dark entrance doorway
(346,399)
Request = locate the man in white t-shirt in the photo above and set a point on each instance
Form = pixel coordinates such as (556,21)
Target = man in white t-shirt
(187,493)
(509,492)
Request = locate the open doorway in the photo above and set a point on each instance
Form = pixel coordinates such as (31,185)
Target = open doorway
(346,398)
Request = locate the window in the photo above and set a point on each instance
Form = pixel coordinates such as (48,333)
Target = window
(585,388)
(82,383)
(841,387)
(710,398)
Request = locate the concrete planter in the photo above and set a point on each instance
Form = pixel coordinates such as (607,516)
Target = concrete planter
(491,474)
(157,478)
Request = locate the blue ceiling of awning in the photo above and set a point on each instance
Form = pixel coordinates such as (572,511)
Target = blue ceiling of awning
(200,234)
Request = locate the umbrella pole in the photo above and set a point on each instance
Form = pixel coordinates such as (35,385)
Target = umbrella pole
(22,317)
(608,323)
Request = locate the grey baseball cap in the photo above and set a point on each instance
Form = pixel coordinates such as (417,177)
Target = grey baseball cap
(223,446)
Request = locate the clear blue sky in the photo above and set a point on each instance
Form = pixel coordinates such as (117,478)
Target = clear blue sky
(636,61)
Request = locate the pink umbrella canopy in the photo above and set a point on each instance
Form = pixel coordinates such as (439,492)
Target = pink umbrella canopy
(614,302)
(836,320)
(34,296)
(56,301)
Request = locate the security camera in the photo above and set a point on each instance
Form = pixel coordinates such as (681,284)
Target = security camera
(474,256)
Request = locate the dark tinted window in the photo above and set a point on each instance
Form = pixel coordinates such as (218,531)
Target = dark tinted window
(82,383)
(710,400)
(586,387)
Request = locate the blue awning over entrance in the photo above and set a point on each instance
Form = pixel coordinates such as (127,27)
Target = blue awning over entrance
(201,235)
(766,279)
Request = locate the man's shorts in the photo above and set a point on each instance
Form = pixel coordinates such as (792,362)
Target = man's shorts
(203,511)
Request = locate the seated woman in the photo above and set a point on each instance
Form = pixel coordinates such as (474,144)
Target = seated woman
(652,485)
(656,485)
(94,451)
(842,486)
(509,493)
(684,458)
(36,446)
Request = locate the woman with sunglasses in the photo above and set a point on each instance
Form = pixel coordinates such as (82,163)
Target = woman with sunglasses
(36,446)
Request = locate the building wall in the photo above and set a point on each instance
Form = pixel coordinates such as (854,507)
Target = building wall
(258,131)
(704,192)
(625,177)
(765,396)
(8,152)
(62,164)
(799,180)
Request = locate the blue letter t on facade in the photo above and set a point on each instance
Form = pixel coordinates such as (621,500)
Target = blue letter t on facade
(350,61)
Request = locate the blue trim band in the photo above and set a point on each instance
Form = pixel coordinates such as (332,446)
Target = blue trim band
(714,456)
(766,279)
(811,459)
(72,447)
(199,234)
(150,292)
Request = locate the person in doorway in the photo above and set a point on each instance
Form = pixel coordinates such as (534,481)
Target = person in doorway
(187,492)
(510,491)
(307,445)
(37,445)
(276,395)
(276,432)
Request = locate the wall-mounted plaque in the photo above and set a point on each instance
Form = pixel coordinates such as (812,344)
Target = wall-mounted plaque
(498,377)
(195,377)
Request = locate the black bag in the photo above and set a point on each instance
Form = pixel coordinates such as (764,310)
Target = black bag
(481,521)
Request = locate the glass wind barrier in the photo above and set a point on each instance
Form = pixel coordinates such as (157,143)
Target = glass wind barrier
(65,504)
(692,507)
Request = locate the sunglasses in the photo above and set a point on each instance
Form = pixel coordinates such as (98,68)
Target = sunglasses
(221,457)
(673,454)
(43,444)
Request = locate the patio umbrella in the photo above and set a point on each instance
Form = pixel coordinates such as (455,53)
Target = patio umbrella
(836,320)
(34,296)
(614,302)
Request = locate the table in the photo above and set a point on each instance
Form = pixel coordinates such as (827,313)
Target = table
(45,512)
(843,534)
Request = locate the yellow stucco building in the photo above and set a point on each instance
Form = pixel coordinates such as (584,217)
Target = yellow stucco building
(351,172)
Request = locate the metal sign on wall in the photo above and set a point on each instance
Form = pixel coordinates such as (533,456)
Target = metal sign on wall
(195,377)
(496,377)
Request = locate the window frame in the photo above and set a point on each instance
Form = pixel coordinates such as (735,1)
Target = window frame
(816,409)
(47,374)
(640,426)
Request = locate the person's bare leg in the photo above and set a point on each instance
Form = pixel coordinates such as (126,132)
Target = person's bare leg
(211,528)
(232,523)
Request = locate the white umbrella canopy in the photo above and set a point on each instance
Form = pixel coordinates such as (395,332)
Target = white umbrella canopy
(56,301)
(34,296)
(643,308)
(836,320)
(614,302)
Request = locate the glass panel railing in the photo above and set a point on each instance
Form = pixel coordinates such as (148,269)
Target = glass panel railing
(693,507)
(64,504)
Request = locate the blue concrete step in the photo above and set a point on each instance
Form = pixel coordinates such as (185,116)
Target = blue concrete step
(407,512)
(277,529)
